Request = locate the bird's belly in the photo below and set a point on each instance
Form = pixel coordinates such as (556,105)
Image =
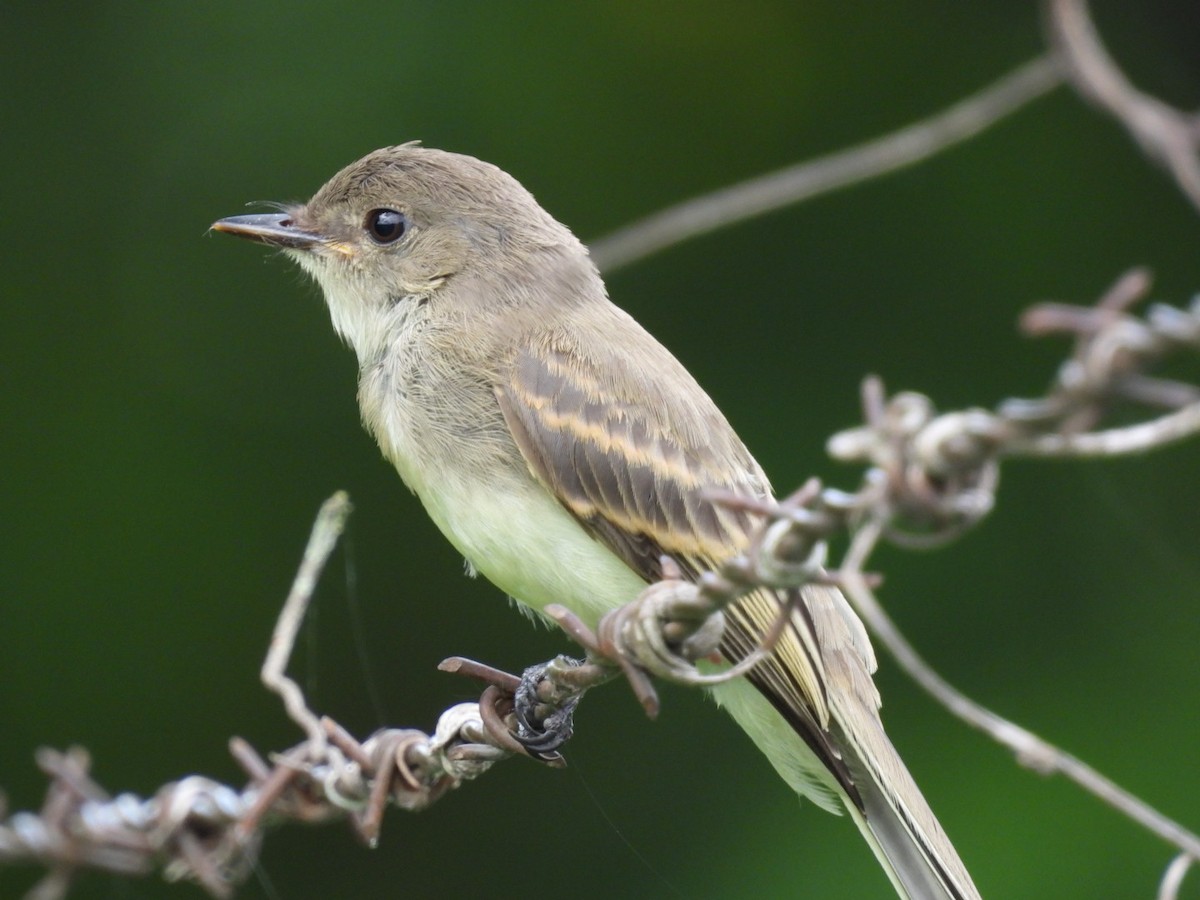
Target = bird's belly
(509,527)
(518,536)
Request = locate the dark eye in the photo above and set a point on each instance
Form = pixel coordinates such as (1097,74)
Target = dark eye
(386,226)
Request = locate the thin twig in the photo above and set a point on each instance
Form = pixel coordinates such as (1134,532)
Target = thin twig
(798,182)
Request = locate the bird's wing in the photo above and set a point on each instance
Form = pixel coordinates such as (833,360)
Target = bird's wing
(634,471)
(631,460)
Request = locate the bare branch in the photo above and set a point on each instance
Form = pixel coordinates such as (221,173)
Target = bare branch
(795,183)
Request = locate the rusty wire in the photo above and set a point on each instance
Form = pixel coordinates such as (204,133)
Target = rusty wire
(928,474)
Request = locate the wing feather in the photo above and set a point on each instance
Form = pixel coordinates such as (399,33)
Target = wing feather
(636,481)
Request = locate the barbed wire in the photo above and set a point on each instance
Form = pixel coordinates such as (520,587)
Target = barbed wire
(929,478)
(794,184)
(1168,136)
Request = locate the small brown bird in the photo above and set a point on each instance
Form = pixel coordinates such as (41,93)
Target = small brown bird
(564,451)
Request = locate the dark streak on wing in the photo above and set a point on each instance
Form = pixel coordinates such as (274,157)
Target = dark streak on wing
(637,488)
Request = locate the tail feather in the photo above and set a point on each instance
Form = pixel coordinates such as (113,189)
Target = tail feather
(844,760)
(905,836)
(892,813)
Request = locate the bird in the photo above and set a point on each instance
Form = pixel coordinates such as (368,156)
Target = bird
(565,453)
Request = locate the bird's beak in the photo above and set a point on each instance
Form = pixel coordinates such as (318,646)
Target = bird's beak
(276,229)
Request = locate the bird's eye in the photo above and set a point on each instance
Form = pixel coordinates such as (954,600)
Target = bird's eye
(386,226)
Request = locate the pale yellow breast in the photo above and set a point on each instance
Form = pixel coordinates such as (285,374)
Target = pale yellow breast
(520,538)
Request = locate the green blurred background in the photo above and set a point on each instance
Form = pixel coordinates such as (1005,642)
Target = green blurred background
(175,407)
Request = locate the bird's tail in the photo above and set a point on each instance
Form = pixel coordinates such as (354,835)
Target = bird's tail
(888,808)
(838,754)
(901,828)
